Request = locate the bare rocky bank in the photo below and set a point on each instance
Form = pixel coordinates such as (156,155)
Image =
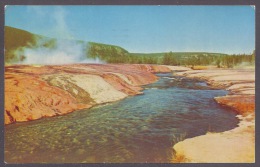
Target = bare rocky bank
(34,92)
(236,145)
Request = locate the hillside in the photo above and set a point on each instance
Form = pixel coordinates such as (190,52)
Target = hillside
(108,53)
(16,41)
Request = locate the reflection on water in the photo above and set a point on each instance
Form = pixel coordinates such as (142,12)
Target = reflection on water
(137,129)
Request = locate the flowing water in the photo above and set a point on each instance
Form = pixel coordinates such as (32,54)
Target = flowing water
(140,128)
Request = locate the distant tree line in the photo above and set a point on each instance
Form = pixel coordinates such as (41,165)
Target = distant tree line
(15,38)
(112,54)
(228,61)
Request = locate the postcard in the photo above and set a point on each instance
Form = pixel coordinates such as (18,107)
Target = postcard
(129,84)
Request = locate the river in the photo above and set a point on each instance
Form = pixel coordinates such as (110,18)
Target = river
(140,128)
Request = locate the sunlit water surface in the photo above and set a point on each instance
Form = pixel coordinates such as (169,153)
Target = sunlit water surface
(140,128)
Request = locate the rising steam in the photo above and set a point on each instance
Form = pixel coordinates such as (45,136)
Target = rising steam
(64,51)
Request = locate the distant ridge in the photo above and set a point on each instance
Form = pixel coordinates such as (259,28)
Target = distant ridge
(17,40)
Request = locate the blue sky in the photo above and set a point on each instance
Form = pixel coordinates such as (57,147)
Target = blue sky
(222,29)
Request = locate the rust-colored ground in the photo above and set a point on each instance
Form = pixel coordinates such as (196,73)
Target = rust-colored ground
(33,92)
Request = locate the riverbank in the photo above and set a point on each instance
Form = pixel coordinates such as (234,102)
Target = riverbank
(233,146)
(34,92)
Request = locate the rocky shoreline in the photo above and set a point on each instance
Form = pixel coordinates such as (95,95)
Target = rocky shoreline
(34,92)
(233,146)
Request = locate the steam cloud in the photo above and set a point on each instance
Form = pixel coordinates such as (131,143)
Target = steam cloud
(65,51)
